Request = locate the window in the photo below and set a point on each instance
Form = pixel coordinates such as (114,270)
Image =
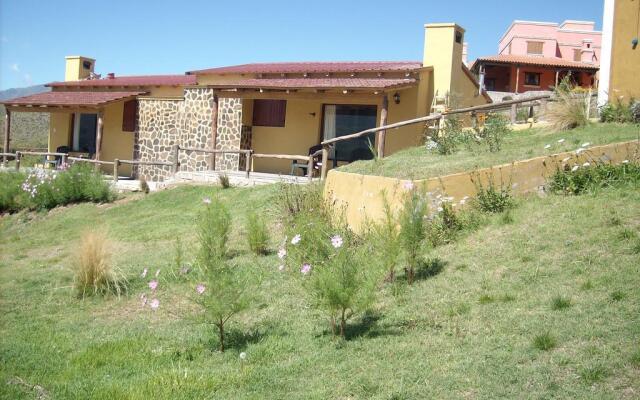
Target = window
(490,83)
(458,37)
(84,133)
(534,48)
(129,114)
(577,55)
(269,112)
(531,79)
(340,120)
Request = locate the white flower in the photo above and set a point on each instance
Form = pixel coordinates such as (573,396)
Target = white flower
(575,168)
(243,356)
(547,146)
(336,241)
(144,273)
(157,273)
(281,268)
(586,164)
(579,151)
(440,209)
(561,141)
(625,162)
(566,159)
(206,200)
(462,201)
(282,253)
(296,239)
(586,144)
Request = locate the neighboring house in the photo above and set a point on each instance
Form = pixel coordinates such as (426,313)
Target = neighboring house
(535,56)
(619,76)
(271,108)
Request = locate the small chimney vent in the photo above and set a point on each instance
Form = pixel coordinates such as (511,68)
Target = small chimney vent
(111,75)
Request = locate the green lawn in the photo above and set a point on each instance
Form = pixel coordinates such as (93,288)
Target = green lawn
(467,332)
(419,163)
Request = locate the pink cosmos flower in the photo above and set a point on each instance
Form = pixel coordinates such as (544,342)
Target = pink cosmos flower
(296,239)
(206,200)
(153,284)
(200,288)
(408,185)
(282,253)
(144,273)
(155,303)
(306,268)
(336,241)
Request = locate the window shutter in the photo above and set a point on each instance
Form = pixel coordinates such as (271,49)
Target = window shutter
(269,112)
(129,115)
(534,47)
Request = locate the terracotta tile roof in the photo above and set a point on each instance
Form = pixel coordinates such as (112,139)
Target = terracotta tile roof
(539,61)
(71,99)
(314,67)
(314,83)
(142,80)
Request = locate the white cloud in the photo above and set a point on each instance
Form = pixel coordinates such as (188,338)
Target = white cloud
(15,67)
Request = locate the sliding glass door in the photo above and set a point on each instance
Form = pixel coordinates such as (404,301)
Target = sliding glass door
(84,133)
(340,120)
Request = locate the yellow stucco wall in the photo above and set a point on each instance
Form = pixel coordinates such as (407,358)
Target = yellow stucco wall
(361,197)
(625,61)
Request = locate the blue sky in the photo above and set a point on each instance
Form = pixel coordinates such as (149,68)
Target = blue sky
(156,37)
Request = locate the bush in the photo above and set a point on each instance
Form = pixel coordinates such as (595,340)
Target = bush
(569,111)
(337,274)
(412,230)
(293,200)
(94,273)
(620,112)
(213,233)
(385,237)
(224,181)
(496,127)
(491,199)
(448,137)
(223,289)
(257,234)
(581,179)
(43,190)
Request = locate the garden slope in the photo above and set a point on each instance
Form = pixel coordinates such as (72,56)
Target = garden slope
(466,332)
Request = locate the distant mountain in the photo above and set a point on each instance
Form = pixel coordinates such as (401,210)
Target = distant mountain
(20,92)
(29,130)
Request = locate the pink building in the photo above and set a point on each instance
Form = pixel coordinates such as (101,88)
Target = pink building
(536,55)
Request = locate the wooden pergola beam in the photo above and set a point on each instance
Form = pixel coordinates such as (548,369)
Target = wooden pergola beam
(383,121)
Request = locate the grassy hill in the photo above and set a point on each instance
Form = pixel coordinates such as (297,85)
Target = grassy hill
(542,304)
(419,163)
(28,130)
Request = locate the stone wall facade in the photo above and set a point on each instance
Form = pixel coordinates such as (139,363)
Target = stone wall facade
(162,123)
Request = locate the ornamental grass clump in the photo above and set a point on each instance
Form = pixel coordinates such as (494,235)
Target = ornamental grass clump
(570,109)
(293,200)
(338,275)
(222,289)
(413,230)
(93,271)
(257,234)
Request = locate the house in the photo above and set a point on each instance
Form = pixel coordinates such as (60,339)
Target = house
(619,77)
(535,56)
(270,108)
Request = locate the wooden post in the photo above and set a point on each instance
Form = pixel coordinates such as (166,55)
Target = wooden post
(18,156)
(115,170)
(383,121)
(7,132)
(325,162)
(588,104)
(514,113)
(310,168)
(99,127)
(557,77)
(176,159)
(247,163)
(517,78)
(214,131)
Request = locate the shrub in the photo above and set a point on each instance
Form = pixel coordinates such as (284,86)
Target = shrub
(293,200)
(12,197)
(620,112)
(337,274)
(581,179)
(94,273)
(446,140)
(444,226)
(492,199)
(385,236)
(224,181)
(223,289)
(569,111)
(412,229)
(213,232)
(496,127)
(257,234)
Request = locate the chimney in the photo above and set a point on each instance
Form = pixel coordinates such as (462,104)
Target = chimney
(78,68)
(587,52)
(111,75)
(443,49)
(465,53)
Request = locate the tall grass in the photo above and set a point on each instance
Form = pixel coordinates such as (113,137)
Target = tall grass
(94,272)
(257,234)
